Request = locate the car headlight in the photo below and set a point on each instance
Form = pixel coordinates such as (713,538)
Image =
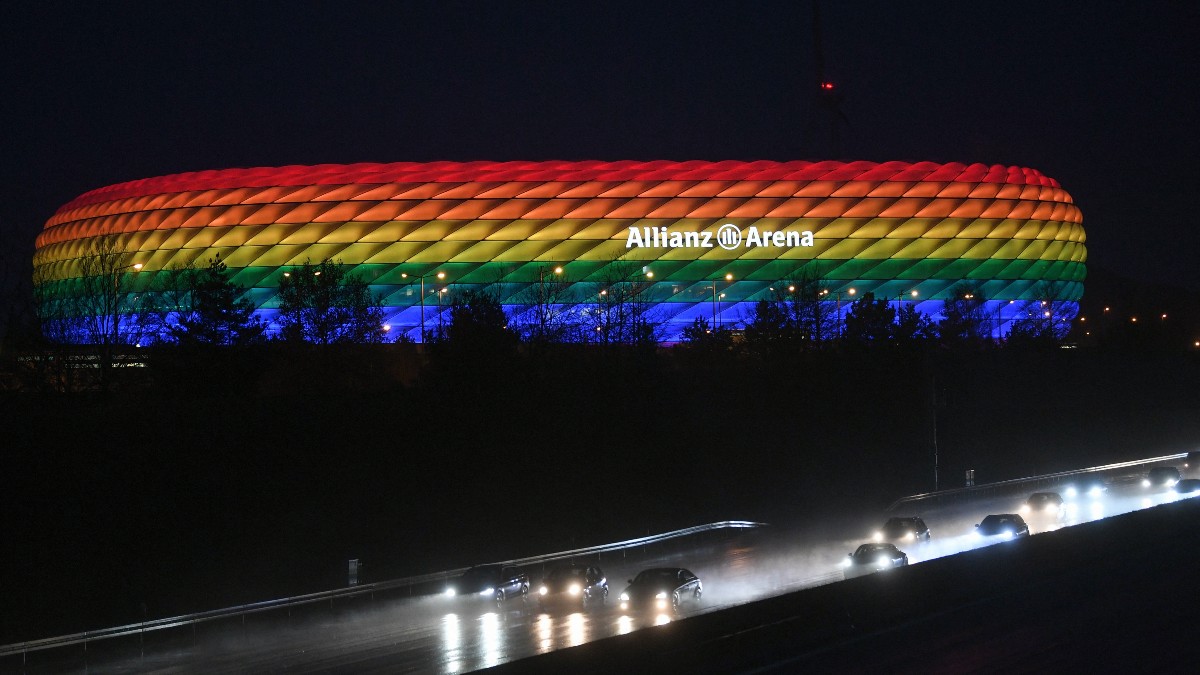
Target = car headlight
(624,597)
(574,589)
(662,595)
(878,536)
(1071,492)
(1146,483)
(1007,534)
(1052,508)
(847,562)
(450,592)
(543,590)
(1096,491)
(1024,508)
(910,536)
(487,591)
(1171,482)
(883,560)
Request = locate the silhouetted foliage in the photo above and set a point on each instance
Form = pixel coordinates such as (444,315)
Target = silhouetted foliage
(964,323)
(476,352)
(769,328)
(701,337)
(870,321)
(478,322)
(210,309)
(325,304)
(913,329)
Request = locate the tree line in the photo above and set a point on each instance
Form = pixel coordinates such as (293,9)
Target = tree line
(108,306)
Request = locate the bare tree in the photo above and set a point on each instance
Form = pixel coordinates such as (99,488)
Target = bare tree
(545,314)
(1044,318)
(811,312)
(104,305)
(622,312)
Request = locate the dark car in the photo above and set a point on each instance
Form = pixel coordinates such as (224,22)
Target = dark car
(661,589)
(494,582)
(1161,476)
(907,529)
(572,584)
(871,558)
(1092,486)
(1044,504)
(1187,486)
(1004,525)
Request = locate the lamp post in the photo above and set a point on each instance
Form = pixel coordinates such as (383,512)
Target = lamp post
(441,327)
(716,299)
(117,273)
(440,275)
(543,299)
(618,301)
(116,297)
(838,294)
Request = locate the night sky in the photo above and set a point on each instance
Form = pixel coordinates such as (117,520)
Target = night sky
(1099,96)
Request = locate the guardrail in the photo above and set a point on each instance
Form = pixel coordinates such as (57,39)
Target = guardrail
(1036,480)
(321,596)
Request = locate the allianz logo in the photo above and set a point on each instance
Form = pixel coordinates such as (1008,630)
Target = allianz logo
(728,237)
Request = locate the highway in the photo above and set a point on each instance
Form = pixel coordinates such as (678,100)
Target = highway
(438,634)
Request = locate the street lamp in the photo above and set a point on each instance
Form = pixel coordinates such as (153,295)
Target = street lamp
(440,275)
(716,300)
(117,273)
(441,321)
(115,305)
(851,293)
(900,298)
(837,294)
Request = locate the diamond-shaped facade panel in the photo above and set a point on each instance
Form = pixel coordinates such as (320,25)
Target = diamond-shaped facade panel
(906,231)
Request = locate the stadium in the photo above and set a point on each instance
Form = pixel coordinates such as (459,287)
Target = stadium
(685,240)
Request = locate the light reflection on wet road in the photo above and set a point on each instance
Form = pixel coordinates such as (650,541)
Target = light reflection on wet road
(456,635)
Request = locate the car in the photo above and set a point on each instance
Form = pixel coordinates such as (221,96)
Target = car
(1161,476)
(661,589)
(573,584)
(907,529)
(1044,504)
(872,558)
(1186,486)
(493,582)
(1003,525)
(1087,485)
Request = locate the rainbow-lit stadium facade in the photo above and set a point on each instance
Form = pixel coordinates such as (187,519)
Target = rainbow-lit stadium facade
(891,228)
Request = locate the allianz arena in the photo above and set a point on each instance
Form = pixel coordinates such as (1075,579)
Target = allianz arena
(704,239)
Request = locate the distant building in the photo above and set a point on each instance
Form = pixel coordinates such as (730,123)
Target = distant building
(683,239)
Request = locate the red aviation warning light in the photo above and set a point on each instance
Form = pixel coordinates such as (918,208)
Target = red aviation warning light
(827,86)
